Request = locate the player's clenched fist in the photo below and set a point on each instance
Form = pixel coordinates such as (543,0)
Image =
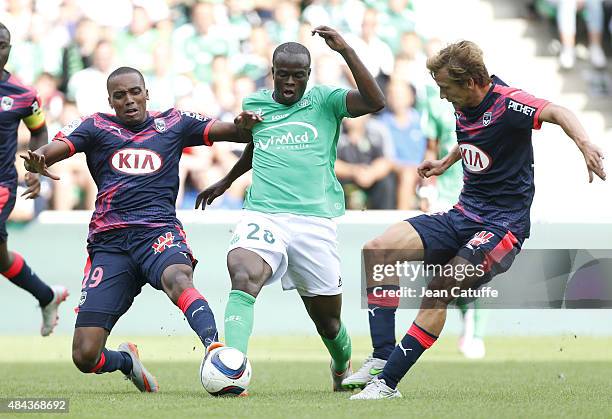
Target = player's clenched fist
(247,120)
(430,168)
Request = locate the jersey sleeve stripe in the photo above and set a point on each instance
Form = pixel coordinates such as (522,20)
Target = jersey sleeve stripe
(206,131)
(61,137)
(537,124)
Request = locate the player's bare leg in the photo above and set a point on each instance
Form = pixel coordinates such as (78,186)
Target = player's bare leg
(324,310)
(177,283)
(248,272)
(15,269)
(90,356)
(400,242)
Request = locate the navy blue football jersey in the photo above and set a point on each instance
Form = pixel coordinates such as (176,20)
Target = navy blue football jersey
(135,168)
(497,156)
(17,102)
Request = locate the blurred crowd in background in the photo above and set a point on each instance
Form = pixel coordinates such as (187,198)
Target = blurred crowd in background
(205,56)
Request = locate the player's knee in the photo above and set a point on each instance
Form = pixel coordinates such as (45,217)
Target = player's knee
(246,280)
(375,244)
(85,358)
(177,279)
(328,327)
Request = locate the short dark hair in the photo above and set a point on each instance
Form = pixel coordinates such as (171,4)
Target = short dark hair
(291,48)
(4,28)
(123,70)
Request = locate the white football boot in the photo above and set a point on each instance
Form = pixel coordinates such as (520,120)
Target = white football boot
(375,390)
(370,369)
(49,312)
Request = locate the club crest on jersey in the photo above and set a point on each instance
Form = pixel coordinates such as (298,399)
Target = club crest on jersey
(475,160)
(83,298)
(479,239)
(164,242)
(6,103)
(486,118)
(160,125)
(136,161)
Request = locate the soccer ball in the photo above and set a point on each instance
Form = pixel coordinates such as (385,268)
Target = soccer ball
(225,371)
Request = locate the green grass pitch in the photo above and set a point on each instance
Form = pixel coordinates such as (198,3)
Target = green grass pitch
(520,378)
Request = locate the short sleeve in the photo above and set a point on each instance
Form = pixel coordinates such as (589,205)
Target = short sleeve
(523,109)
(195,128)
(333,99)
(77,135)
(35,117)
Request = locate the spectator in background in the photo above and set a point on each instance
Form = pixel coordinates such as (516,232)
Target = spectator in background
(87,88)
(566,21)
(286,22)
(397,18)
(77,189)
(52,99)
(36,53)
(78,54)
(134,47)
(375,54)
(163,82)
(242,18)
(405,125)
(255,57)
(363,165)
(197,43)
(345,15)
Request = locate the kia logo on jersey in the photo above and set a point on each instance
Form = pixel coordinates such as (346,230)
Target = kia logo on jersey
(136,161)
(474,159)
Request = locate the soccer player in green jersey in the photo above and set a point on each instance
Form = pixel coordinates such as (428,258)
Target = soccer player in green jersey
(287,230)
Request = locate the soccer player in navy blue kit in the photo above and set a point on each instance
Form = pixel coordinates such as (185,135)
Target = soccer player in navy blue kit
(134,235)
(21,103)
(486,228)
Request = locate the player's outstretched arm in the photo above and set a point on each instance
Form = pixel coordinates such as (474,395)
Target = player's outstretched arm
(243,165)
(368,97)
(430,168)
(39,161)
(566,119)
(237,132)
(38,137)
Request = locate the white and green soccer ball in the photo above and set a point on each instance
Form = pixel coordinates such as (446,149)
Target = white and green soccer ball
(225,371)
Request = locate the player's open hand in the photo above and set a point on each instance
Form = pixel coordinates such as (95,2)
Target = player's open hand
(593,157)
(246,120)
(208,195)
(430,168)
(332,38)
(33,183)
(35,163)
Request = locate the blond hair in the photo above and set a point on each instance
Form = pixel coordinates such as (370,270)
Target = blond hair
(463,61)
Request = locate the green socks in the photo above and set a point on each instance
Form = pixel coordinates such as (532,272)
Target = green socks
(239,313)
(340,349)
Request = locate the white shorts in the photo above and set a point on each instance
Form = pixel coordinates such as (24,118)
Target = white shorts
(301,250)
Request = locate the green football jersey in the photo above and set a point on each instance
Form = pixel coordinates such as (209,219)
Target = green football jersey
(295,153)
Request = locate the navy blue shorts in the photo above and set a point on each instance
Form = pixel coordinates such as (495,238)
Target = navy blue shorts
(8,195)
(449,234)
(120,263)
